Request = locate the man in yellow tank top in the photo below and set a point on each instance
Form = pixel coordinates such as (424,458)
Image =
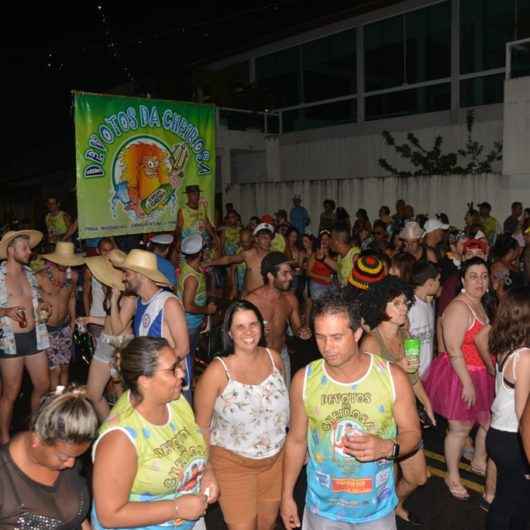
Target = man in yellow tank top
(355,413)
(193,218)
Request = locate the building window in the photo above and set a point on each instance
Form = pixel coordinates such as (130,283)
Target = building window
(279,74)
(485,28)
(329,67)
(484,90)
(325,115)
(413,101)
(408,49)
(383,52)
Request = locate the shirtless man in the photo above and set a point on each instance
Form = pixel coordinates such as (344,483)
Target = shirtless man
(22,339)
(252,258)
(278,305)
(58,286)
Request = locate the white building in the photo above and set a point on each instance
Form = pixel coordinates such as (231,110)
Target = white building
(416,66)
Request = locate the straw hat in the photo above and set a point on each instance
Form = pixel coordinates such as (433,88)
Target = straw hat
(144,263)
(64,255)
(34,239)
(104,272)
(116,257)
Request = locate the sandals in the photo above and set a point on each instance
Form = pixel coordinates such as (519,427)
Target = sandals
(457,490)
(478,470)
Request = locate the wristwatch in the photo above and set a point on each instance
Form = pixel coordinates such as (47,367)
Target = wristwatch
(395,452)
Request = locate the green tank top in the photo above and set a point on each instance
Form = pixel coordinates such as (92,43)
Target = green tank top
(56,225)
(171,457)
(339,487)
(193,319)
(194,221)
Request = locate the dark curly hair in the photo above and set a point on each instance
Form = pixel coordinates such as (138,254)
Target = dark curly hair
(373,302)
(511,329)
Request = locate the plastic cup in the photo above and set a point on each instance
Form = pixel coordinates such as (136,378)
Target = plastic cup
(412,348)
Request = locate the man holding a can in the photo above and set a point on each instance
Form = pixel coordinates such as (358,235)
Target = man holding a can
(23,338)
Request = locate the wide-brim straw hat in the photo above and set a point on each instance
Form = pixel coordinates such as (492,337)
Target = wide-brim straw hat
(144,263)
(104,272)
(116,257)
(64,255)
(34,236)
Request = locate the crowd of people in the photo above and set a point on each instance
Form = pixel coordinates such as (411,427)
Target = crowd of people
(414,321)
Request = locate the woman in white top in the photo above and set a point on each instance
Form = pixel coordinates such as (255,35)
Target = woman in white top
(510,339)
(242,405)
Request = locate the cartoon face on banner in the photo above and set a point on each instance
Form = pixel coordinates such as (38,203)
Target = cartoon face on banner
(147,176)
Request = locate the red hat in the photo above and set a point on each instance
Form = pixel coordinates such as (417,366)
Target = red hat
(267,218)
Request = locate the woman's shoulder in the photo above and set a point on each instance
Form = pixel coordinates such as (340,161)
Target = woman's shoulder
(370,344)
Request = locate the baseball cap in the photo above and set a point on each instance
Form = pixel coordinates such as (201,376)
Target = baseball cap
(433,224)
(267,218)
(411,230)
(272,261)
(192,244)
(366,271)
(162,239)
(264,226)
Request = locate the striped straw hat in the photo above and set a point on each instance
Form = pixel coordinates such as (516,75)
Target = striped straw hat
(366,271)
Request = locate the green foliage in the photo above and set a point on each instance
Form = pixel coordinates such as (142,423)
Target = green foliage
(434,161)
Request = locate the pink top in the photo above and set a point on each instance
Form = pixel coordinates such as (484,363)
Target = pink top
(469,348)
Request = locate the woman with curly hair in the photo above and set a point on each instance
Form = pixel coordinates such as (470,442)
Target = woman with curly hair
(384,308)
(510,340)
(458,382)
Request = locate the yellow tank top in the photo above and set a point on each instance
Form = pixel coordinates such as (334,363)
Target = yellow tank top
(194,220)
(171,457)
(345,265)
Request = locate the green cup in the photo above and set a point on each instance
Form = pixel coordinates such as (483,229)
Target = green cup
(412,348)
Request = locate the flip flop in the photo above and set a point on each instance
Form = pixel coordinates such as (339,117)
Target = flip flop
(481,471)
(457,491)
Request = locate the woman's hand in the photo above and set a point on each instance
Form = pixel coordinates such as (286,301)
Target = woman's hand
(468,394)
(209,486)
(191,507)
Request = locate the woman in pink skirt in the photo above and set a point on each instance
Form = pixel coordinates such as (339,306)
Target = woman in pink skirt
(457,382)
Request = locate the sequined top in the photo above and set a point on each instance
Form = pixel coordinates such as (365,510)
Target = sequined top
(29,505)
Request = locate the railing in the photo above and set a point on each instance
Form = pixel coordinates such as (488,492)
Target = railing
(248,120)
(518,58)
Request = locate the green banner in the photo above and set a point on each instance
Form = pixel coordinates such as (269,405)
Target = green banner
(134,159)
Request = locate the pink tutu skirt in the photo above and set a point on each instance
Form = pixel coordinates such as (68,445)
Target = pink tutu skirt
(444,389)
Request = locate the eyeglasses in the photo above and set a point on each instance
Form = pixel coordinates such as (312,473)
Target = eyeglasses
(173,369)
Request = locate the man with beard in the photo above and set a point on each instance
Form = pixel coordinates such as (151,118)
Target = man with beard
(23,340)
(278,305)
(252,257)
(158,311)
(58,283)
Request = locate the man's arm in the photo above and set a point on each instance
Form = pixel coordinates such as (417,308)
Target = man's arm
(188,299)
(71,231)
(294,319)
(228,260)
(295,452)
(368,447)
(71,304)
(87,291)
(176,323)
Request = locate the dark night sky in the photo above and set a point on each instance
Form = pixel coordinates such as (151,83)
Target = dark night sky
(50,51)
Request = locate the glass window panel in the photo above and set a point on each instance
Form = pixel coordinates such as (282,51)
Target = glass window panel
(485,28)
(414,101)
(482,90)
(279,74)
(428,33)
(329,67)
(523,19)
(320,116)
(383,43)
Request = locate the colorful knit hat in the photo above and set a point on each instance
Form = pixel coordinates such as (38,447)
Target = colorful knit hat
(366,271)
